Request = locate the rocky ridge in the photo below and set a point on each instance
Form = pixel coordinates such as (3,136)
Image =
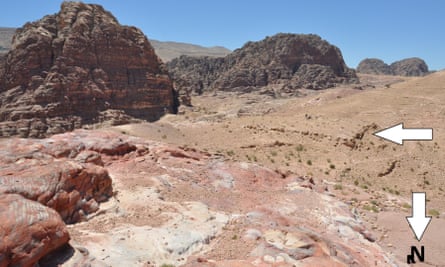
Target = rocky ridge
(67,69)
(204,210)
(283,62)
(405,67)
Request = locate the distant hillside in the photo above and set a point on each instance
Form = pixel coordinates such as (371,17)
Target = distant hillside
(170,50)
(5,38)
(165,50)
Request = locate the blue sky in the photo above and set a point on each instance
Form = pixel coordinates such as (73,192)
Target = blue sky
(389,30)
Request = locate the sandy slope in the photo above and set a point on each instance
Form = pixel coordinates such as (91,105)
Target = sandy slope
(328,135)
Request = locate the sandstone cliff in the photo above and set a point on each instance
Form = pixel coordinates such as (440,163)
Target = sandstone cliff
(65,70)
(290,61)
(405,67)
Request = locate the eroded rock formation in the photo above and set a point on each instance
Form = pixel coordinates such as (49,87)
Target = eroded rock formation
(28,231)
(65,70)
(410,67)
(288,60)
(374,66)
(405,67)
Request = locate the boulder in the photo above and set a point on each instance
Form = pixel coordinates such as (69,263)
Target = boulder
(28,231)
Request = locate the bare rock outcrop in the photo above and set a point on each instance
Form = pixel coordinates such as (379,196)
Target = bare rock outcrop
(64,173)
(410,67)
(196,209)
(289,60)
(28,231)
(64,70)
(374,66)
(405,67)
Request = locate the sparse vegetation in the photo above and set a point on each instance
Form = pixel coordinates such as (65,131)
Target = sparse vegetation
(434,213)
(299,147)
(406,206)
(332,166)
(371,208)
(309,162)
(338,187)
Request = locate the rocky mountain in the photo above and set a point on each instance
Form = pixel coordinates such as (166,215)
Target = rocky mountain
(170,50)
(374,66)
(406,67)
(410,67)
(77,67)
(284,61)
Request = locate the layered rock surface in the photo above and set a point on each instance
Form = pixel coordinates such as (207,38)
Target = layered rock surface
(28,231)
(65,70)
(405,67)
(288,60)
(179,206)
(66,175)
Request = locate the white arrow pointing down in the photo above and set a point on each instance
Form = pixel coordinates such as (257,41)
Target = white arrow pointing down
(418,221)
(398,134)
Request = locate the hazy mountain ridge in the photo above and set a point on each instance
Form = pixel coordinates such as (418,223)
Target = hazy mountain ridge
(166,50)
(5,38)
(169,50)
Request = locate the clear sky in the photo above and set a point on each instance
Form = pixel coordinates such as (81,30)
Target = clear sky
(390,30)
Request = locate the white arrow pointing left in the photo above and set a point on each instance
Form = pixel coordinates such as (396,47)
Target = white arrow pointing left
(397,134)
(419,221)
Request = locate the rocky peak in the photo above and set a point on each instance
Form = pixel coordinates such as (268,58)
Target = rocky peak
(410,67)
(64,70)
(289,60)
(405,67)
(374,66)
